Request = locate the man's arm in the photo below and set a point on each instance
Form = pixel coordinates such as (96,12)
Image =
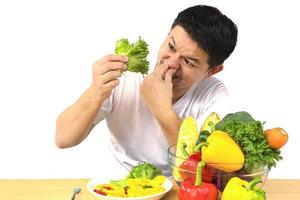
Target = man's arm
(170,125)
(74,124)
(157,92)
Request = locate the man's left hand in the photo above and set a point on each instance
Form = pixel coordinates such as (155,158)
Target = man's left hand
(157,90)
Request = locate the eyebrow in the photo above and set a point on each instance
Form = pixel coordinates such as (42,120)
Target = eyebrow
(173,40)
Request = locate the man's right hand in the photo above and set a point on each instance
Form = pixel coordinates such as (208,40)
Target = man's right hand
(75,122)
(106,72)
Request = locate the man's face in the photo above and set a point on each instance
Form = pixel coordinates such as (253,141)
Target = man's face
(179,52)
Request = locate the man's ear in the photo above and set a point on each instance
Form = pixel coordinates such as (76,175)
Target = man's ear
(214,70)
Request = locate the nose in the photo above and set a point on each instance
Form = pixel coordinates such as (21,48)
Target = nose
(173,62)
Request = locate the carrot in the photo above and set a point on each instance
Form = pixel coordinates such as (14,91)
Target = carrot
(277,137)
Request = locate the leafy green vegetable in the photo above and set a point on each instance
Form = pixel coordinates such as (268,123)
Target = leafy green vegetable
(144,170)
(248,133)
(137,54)
(241,116)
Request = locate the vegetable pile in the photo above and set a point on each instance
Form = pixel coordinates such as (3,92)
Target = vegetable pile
(136,52)
(229,154)
(249,134)
(143,180)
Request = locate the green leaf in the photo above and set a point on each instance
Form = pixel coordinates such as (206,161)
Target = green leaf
(136,52)
(248,134)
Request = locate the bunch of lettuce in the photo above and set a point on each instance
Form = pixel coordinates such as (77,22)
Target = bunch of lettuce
(144,170)
(137,54)
(248,134)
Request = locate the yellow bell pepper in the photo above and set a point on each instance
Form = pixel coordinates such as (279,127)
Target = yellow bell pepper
(238,189)
(222,152)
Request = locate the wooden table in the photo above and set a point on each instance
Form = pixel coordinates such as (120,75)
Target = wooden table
(61,189)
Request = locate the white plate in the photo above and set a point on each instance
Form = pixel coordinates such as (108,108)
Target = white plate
(94,182)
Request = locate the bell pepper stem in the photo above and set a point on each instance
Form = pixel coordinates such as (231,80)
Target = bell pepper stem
(253,183)
(200,167)
(199,146)
(183,150)
(202,138)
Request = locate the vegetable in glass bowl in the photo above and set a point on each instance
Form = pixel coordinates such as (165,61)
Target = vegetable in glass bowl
(210,174)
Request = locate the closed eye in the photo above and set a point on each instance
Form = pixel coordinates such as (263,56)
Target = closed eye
(189,63)
(171,46)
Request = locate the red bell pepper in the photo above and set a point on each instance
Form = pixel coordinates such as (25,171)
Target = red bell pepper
(100,192)
(198,190)
(189,167)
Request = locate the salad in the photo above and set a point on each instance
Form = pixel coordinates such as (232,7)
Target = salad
(143,180)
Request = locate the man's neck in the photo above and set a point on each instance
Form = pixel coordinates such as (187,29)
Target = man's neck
(177,94)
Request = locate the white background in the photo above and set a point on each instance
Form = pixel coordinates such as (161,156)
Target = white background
(47,49)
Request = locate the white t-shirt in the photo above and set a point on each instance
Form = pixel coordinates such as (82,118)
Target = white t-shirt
(135,134)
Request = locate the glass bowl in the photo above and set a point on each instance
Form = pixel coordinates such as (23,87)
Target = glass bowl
(217,177)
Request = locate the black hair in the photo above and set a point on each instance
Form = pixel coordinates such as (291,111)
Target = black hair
(213,32)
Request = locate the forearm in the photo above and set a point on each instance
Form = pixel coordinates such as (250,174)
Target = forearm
(75,123)
(170,125)
(157,93)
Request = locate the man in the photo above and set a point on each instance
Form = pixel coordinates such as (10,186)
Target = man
(144,114)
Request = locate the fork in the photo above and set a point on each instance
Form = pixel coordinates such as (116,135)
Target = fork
(75,192)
